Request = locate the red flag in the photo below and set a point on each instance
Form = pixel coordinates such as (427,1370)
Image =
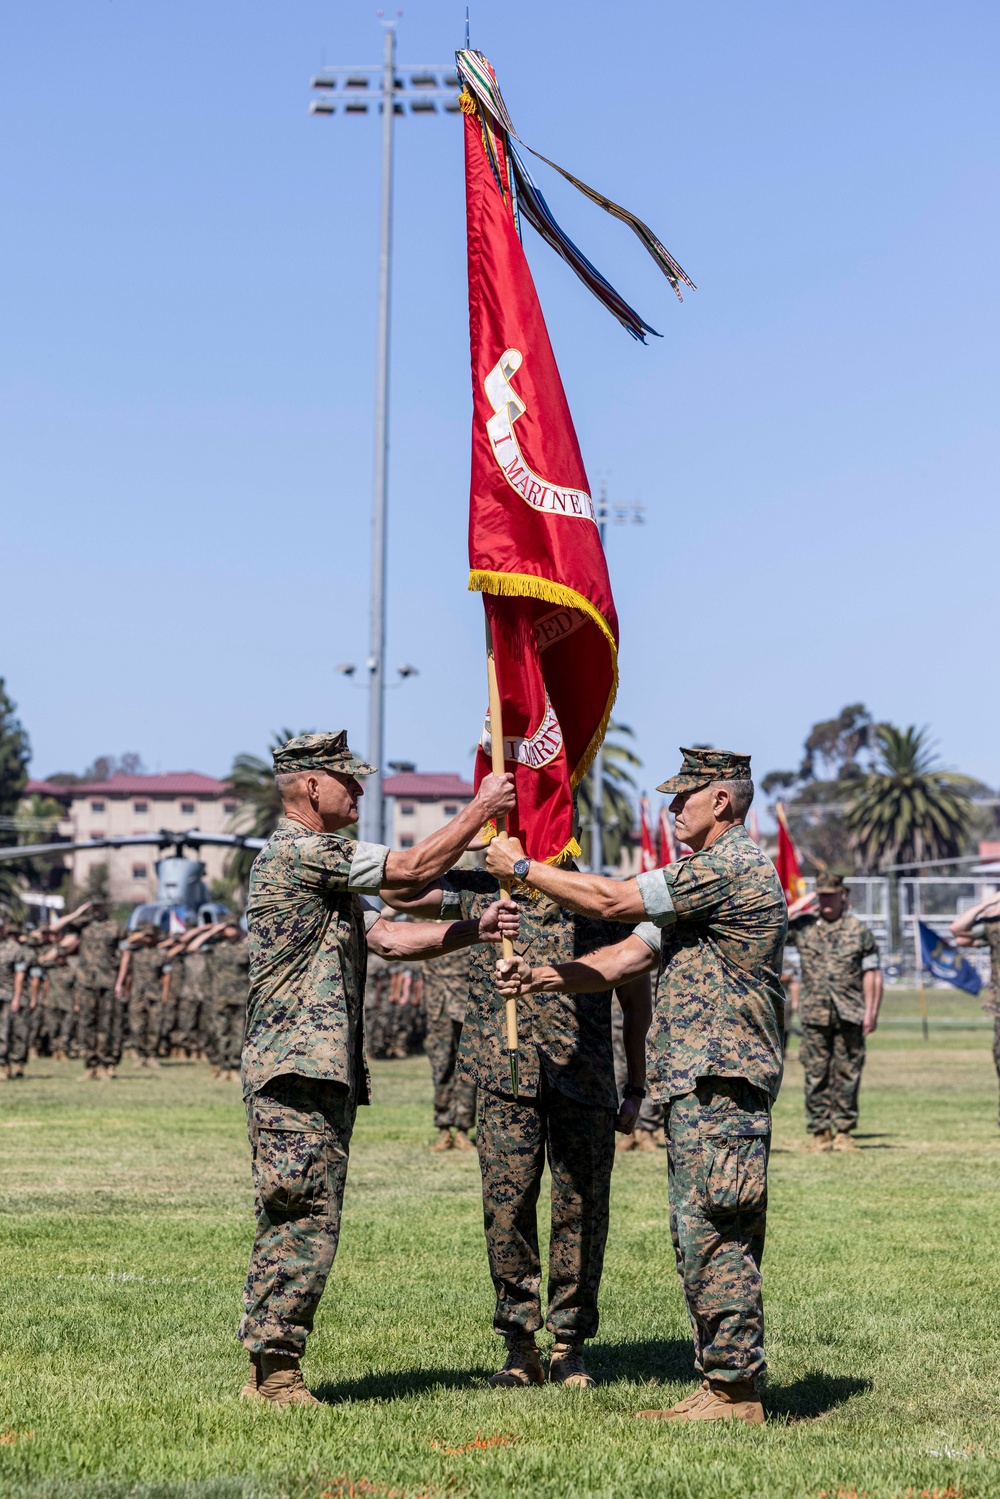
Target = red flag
(787,860)
(534,548)
(647,853)
(752,827)
(666,847)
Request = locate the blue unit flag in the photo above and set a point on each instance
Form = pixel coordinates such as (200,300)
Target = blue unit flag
(946,962)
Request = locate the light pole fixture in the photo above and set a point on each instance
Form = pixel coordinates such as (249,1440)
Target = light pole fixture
(389,90)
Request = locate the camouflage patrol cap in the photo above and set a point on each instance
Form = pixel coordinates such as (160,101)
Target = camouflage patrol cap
(320,752)
(702,767)
(829,880)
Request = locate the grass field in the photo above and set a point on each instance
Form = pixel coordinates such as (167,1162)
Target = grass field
(125,1221)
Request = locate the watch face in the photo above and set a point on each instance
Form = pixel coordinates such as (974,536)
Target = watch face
(521,868)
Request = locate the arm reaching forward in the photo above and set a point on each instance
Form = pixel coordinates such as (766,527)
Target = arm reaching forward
(429,939)
(607,968)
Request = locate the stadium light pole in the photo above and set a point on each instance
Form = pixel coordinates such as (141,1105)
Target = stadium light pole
(352,91)
(623,515)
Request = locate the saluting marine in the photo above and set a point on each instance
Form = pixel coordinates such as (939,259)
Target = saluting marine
(100,1011)
(714,930)
(446,1000)
(228,983)
(304,1068)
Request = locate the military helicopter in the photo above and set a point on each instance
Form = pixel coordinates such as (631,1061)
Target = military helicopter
(182,895)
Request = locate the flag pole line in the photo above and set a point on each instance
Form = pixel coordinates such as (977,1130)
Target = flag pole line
(497,766)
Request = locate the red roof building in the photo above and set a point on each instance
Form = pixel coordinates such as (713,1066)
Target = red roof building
(422,802)
(132,806)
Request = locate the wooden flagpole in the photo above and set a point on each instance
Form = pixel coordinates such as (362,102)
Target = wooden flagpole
(497,766)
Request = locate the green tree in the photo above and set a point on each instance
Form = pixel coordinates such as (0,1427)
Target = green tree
(908,810)
(252,780)
(837,754)
(15,754)
(617,807)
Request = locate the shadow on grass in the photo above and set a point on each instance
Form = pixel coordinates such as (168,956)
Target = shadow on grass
(813,1395)
(398,1384)
(665,1360)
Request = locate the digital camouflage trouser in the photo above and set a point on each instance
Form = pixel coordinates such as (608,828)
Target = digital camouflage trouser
(651,1112)
(144,1021)
(996,1044)
(513,1139)
(227,1040)
(718,1141)
(300,1131)
(454,1093)
(59,1024)
(15,1033)
(101,1026)
(832,1057)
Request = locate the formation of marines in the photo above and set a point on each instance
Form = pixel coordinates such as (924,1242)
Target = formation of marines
(81,989)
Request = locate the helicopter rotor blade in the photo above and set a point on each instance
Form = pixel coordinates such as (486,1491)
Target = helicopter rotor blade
(161,839)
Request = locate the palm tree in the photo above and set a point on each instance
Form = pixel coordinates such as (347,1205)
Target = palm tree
(252,779)
(617,810)
(908,810)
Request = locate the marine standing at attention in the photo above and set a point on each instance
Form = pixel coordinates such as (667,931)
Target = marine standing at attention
(981,925)
(714,929)
(304,1068)
(840,995)
(567,1111)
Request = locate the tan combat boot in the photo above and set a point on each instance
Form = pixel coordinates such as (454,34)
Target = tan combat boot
(18,1072)
(523,1366)
(845,1141)
(443,1141)
(566,1367)
(462,1141)
(723,1401)
(627,1142)
(645,1141)
(58,1056)
(250,1390)
(821,1140)
(92,1074)
(5,1072)
(280,1381)
(153,1064)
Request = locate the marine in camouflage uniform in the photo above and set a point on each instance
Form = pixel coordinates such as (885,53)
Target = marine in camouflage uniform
(60,1001)
(13,1006)
(715,932)
(980,926)
(189,1031)
(100,1011)
(836,952)
(648,1134)
(304,1067)
(228,983)
(566,1110)
(145,998)
(446,999)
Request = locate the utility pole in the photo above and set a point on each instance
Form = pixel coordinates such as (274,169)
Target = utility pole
(624,514)
(373,804)
(346,89)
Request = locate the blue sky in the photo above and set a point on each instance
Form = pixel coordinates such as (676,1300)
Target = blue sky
(188,369)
